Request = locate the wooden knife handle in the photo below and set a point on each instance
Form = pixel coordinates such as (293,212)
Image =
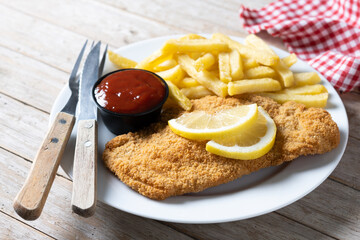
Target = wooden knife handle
(84,195)
(31,199)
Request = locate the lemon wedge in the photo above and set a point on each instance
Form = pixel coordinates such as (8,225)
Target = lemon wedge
(199,125)
(251,143)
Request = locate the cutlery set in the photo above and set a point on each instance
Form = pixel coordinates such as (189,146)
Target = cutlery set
(30,200)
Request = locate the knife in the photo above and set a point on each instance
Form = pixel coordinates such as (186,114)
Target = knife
(31,199)
(84,197)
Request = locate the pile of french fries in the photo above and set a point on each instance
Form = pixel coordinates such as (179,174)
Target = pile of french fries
(194,67)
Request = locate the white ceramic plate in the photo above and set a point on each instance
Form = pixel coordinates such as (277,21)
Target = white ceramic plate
(258,193)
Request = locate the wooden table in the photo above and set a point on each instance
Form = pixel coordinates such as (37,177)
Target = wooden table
(39,43)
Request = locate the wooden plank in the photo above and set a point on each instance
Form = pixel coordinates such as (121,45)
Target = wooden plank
(22,128)
(270,226)
(38,39)
(234,4)
(14,229)
(59,222)
(347,172)
(21,73)
(332,209)
(195,16)
(352,105)
(192,16)
(348,168)
(93,20)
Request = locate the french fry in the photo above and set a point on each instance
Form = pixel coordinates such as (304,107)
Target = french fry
(262,57)
(196,45)
(188,82)
(215,72)
(178,97)
(170,103)
(205,62)
(317,100)
(120,61)
(259,56)
(306,78)
(256,42)
(167,64)
(205,78)
(191,36)
(194,67)
(153,60)
(195,55)
(173,75)
(249,63)
(224,67)
(305,90)
(196,92)
(253,85)
(260,72)
(236,65)
(286,76)
(290,60)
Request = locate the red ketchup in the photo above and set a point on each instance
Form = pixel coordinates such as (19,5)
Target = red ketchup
(130,91)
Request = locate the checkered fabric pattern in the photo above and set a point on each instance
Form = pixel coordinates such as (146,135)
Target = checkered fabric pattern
(325,33)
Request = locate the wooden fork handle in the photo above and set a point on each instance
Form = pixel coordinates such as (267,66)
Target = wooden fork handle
(30,201)
(83,199)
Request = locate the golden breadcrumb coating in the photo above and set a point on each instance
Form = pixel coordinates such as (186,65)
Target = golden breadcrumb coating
(158,163)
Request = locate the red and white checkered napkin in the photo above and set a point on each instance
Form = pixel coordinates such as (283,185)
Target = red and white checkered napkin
(325,33)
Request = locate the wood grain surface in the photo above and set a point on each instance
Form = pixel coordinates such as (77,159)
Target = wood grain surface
(39,44)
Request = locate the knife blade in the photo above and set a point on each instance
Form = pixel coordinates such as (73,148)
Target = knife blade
(30,200)
(84,198)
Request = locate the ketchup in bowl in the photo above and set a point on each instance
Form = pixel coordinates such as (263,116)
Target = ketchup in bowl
(130,91)
(129,99)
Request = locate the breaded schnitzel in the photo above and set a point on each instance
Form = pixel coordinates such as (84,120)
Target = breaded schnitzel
(158,163)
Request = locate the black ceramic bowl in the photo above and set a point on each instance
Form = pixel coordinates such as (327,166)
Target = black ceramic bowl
(120,123)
